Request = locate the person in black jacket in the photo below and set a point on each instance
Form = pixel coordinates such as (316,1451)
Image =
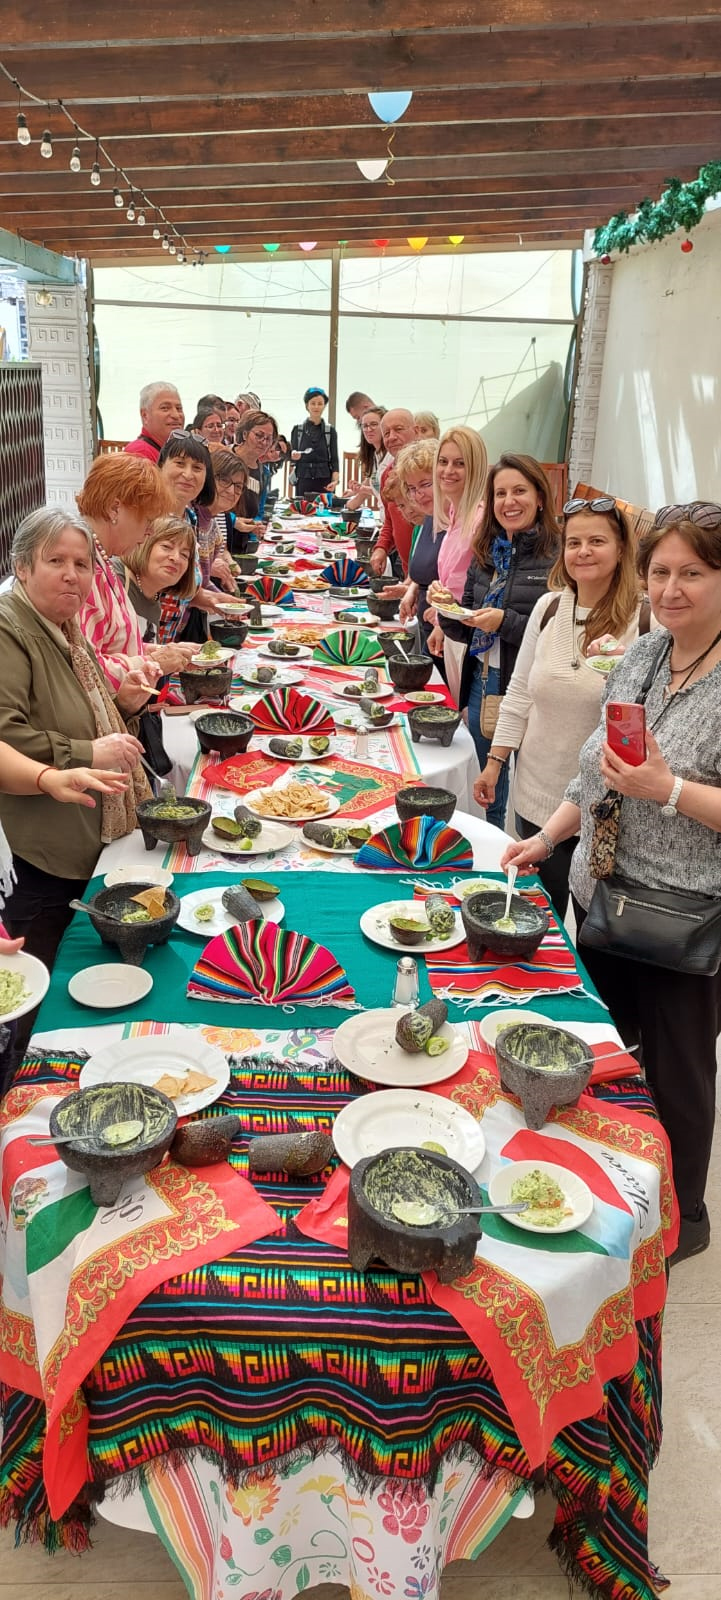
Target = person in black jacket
(513,551)
(314,448)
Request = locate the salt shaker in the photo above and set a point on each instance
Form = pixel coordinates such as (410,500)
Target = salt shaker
(405,988)
(327,608)
(361,744)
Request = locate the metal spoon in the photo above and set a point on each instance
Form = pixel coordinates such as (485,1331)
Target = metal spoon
(79,905)
(166,790)
(123,1133)
(426,1214)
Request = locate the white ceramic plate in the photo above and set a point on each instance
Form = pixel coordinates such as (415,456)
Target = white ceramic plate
(307,753)
(461,613)
(140,874)
(407,1117)
(381,693)
(591,1032)
(578,1195)
(327,849)
(252,801)
(304,653)
(465,887)
(283,679)
(494,1023)
(424,697)
(273,911)
(145,1060)
(37,981)
(375,924)
(273,836)
(366,1045)
(107,987)
(238,702)
(234,608)
(224,654)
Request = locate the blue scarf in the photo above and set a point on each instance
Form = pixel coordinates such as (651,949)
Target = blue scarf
(501,557)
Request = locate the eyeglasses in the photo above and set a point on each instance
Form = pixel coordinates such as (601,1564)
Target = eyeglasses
(602,505)
(704,513)
(414,489)
(188,433)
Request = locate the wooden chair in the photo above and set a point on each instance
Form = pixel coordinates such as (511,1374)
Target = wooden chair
(557,474)
(640,518)
(111,447)
(351,467)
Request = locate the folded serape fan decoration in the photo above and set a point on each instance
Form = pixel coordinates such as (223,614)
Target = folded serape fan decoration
(350,646)
(269,965)
(320,502)
(344,572)
(271,590)
(423,844)
(289,711)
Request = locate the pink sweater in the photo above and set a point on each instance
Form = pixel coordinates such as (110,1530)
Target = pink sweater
(109,623)
(454,556)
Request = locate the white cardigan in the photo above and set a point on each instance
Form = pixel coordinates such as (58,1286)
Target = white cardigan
(550,707)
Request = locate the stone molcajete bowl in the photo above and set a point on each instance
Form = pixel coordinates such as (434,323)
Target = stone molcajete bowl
(411,674)
(229,631)
(172,830)
(390,642)
(206,683)
(423,800)
(448,1245)
(544,1066)
(131,938)
(106,1167)
(480,913)
(432,722)
(229,732)
(385,610)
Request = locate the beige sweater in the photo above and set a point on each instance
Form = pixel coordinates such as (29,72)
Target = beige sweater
(550,707)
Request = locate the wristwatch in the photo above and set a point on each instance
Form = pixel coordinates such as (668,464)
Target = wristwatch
(670,808)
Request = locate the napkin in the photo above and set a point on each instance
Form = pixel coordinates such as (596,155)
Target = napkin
(552,970)
(289,711)
(275,590)
(344,572)
(262,962)
(421,843)
(244,773)
(320,502)
(349,646)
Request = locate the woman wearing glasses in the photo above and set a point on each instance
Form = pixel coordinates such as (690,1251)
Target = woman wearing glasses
(513,550)
(255,436)
(552,702)
(666,837)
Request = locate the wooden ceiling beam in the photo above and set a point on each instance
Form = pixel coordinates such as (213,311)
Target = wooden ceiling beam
(385,60)
(168,118)
(427,224)
(82,23)
(146,160)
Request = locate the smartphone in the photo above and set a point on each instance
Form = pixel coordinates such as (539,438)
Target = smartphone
(626,731)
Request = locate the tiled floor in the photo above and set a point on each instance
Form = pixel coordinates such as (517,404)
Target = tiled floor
(685,1504)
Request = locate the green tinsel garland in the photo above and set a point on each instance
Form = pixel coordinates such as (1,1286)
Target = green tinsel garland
(681,206)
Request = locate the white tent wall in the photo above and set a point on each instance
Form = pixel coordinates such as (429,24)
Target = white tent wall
(658,437)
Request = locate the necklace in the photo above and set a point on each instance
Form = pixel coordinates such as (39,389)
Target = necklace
(689,670)
(575,661)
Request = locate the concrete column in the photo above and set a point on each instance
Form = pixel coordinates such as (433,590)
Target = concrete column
(590,369)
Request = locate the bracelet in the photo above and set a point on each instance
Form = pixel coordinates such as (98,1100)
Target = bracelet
(501,761)
(547,840)
(42,771)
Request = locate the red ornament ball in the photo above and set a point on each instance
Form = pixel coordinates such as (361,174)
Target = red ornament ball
(605,261)
(687,246)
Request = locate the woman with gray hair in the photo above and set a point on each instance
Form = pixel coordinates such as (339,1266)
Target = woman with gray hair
(56,709)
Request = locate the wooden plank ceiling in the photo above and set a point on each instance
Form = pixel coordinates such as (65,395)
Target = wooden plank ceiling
(241,123)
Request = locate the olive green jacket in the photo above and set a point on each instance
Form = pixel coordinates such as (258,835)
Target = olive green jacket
(46,715)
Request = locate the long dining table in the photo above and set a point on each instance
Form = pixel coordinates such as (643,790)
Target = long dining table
(203,1359)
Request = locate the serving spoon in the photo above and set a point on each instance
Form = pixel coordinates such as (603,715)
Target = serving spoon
(123,1133)
(426,1214)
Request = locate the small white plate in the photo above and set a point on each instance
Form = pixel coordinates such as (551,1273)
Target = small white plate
(307,753)
(327,849)
(239,702)
(407,1117)
(424,697)
(140,874)
(460,613)
(304,653)
(366,1045)
(465,887)
(109,986)
(273,836)
(224,654)
(332,804)
(283,679)
(578,1195)
(273,911)
(37,982)
(496,1021)
(234,608)
(146,1059)
(381,693)
(375,924)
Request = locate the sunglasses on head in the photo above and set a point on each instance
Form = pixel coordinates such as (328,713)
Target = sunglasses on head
(188,433)
(602,505)
(705,514)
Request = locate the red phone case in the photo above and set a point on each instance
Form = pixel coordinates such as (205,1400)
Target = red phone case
(626,731)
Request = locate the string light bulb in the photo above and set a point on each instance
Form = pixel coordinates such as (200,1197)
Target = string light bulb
(24,135)
(166,242)
(181,256)
(130,213)
(156,232)
(117,198)
(140,219)
(46,145)
(172,248)
(75,162)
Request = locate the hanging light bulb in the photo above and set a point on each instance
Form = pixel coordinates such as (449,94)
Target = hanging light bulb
(156,232)
(418,244)
(181,256)
(95,174)
(166,242)
(456,238)
(372,170)
(24,135)
(75,162)
(117,198)
(173,248)
(130,213)
(46,145)
(140,219)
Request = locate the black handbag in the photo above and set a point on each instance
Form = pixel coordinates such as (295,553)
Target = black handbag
(659,927)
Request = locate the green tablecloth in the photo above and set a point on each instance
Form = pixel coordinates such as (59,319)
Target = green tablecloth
(325,905)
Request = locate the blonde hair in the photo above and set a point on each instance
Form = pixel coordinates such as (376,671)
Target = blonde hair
(429,420)
(475,460)
(414,458)
(615,609)
(167,528)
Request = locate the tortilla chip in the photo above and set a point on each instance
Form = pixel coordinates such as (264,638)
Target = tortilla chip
(171,1086)
(196,1080)
(190,1082)
(153,900)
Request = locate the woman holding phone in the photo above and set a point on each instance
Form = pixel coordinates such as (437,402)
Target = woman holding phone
(668,835)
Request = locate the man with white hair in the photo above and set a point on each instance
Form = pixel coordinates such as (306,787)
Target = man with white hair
(161,412)
(398,429)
